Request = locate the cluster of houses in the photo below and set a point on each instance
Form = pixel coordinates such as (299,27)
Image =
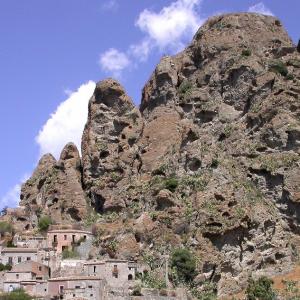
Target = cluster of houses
(38,267)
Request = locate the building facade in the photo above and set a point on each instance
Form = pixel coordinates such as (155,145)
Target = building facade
(118,273)
(80,287)
(66,239)
(14,256)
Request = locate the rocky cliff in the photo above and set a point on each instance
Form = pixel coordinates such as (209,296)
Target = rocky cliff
(210,161)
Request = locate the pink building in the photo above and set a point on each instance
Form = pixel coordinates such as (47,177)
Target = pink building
(66,239)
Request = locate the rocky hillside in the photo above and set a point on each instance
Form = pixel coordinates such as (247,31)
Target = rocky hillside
(209,162)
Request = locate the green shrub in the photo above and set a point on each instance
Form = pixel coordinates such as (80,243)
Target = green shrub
(171,184)
(260,289)
(5,267)
(214,163)
(44,223)
(153,280)
(246,52)
(279,67)
(184,264)
(208,292)
(185,88)
(69,254)
(289,76)
(18,294)
(5,227)
(10,244)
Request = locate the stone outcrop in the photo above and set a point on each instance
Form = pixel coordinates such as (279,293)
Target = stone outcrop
(209,162)
(109,151)
(55,188)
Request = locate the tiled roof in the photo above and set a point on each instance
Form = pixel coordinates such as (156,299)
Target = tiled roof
(73,278)
(69,231)
(19,250)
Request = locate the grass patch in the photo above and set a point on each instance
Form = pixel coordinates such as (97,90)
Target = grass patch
(246,52)
(277,66)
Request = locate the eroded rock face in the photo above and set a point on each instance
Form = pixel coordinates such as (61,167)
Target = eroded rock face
(55,188)
(210,162)
(109,150)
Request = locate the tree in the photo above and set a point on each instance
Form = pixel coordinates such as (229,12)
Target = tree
(18,294)
(260,289)
(44,223)
(5,227)
(184,263)
(5,267)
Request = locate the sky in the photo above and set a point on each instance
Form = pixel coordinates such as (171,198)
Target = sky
(52,52)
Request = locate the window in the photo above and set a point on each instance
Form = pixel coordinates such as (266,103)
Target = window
(28,258)
(90,286)
(61,289)
(73,238)
(17,276)
(115,272)
(94,269)
(65,237)
(91,295)
(84,237)
(130,277)
(77,287)
(40,268)
(10,260)
(19,259)
(55,238)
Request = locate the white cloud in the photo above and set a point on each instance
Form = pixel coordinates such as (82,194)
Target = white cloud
(110,5)
(141,50)
(171,26)
(12,197)
(261,9)
(66,124)
(167,30)
(114,61)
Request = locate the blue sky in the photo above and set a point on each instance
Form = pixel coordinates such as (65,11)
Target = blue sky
(53,51)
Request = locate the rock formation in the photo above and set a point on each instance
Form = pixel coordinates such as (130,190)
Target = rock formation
(55,188)
(209,162)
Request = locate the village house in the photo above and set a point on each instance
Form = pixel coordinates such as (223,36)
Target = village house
(30,276)
(118,273)
(30,241)
(76,287)
(66,239)
(13,256)
(13,279)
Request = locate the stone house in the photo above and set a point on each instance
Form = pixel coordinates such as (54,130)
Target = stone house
(66,239)
(13,256)
(41,271)
(118,273)
(30,276)
(48,257)
(71,267)
(30,241)
(76,287)
(12,279)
